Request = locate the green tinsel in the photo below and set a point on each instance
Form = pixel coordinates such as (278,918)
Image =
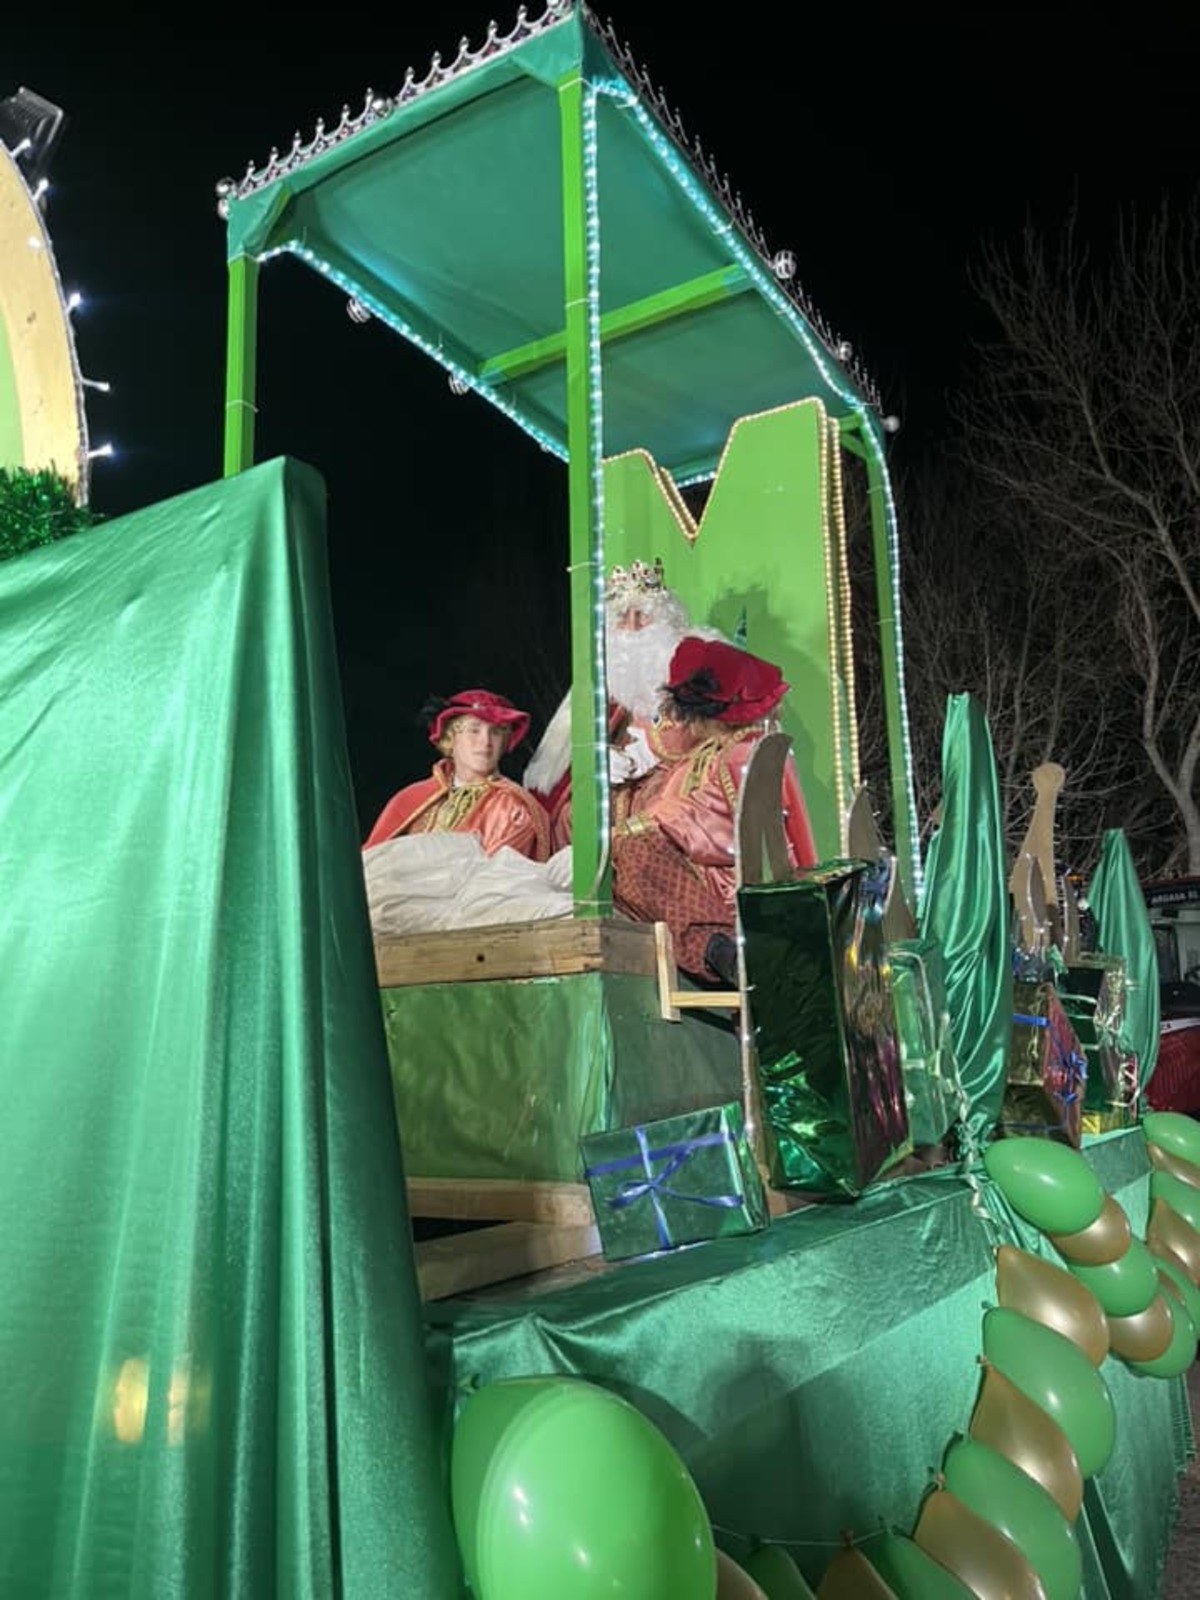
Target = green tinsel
(37,508)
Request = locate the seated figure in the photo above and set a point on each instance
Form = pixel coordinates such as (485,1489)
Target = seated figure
(673,849)
(644,623)
(465,792)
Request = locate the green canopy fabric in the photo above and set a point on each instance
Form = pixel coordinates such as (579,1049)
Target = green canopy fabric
(965,910)
(442,210)
(1123,929)
(211,1344)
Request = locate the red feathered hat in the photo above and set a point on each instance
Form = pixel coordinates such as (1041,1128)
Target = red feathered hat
(710,678)
(488,707)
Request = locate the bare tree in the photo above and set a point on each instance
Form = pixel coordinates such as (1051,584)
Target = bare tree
(1085,418)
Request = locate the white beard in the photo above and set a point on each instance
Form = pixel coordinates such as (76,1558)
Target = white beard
(639,665)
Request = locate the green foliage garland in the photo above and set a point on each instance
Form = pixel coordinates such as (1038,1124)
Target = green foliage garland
(37,508)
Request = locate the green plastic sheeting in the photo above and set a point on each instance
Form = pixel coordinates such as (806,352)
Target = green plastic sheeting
(965,910)
(502,1080)
(211,1349)
(812,1376)
(1123,929)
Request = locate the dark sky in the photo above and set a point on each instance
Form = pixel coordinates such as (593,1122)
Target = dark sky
(879,152)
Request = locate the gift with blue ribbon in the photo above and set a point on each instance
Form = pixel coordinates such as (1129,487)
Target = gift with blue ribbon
(677,1181)
(1047,1069)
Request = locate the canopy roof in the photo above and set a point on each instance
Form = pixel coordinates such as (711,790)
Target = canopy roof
(441,211)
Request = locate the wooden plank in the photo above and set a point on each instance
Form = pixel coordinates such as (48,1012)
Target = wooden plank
(466,1261)
(499,1199)
(547,949)
(707,999)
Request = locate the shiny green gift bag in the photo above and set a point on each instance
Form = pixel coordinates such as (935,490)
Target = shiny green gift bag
(680,1180)
(825,1029)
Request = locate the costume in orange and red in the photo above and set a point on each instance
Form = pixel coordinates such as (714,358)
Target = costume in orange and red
(500,811)
(673,843)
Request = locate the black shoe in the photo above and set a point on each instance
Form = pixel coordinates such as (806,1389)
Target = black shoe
(720,956)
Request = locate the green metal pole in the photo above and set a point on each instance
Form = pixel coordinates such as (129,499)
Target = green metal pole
(904,822)
(240,362)
(591,871)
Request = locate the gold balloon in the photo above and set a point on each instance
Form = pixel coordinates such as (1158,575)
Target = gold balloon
(1105,1240)
(1168,1231)
(990,1565)
(1053,1296)
(1016,1426)
(1146,1335)
(850,1576)
(733,1583)
(1163,1161)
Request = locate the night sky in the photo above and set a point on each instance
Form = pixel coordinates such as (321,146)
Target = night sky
(879,152)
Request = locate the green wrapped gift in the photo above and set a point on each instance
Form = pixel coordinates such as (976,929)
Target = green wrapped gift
(677,1181)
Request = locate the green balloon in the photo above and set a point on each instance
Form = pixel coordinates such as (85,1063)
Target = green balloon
(1179,1354)
(1056,1375)
(1124,1286)
(1173,1132)
(1183,1198)
(776,1574)
(485,1418)
(913,1575)
(1049,1183)
(1181,1285)
(998,1491)
(574,1493)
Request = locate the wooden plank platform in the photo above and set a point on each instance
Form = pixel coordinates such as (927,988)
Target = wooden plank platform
(461,1262)
(500,1199)
(547,949)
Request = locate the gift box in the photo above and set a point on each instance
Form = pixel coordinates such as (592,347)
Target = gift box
(1093,993)
(677,1181)
(927,1059)
(1046,1073)
(835,1109)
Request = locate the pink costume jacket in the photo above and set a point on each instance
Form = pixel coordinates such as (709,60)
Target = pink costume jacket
(499,811)
(693,800)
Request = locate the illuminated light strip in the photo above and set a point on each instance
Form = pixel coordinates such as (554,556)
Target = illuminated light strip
(831,627)
(591,203)
(872,442)
(461,374)
(846,638)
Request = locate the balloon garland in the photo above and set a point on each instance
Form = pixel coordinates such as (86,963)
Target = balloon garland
(562,1489)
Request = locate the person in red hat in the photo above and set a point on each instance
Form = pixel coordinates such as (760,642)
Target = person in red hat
(673,849)
(466,792)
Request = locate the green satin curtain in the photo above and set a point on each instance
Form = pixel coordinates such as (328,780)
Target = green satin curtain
(210,1345)
(1123,929)
(965,910)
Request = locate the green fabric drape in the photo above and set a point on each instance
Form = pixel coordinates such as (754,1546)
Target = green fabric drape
(965,910)
(1123,929)
(210,1346)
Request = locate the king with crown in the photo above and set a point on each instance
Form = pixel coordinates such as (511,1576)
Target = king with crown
(644,624)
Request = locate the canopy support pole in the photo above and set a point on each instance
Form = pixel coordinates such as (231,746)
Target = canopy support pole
(241,356)
(886,556)
(590,864)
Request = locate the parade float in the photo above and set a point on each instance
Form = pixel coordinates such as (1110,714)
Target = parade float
(806,1325)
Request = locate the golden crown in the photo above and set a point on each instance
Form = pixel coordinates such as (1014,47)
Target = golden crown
(636,581)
